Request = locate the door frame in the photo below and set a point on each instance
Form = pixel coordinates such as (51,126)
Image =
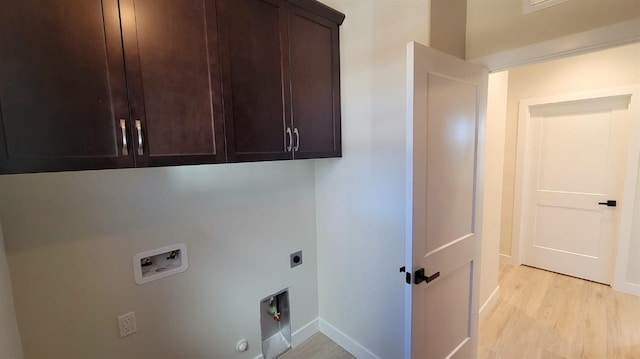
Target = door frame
(521,203)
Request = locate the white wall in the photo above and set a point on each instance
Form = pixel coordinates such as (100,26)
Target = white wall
(494,167)
(10,344)
(360,198)
(494,26)
(605,69)
(70,239)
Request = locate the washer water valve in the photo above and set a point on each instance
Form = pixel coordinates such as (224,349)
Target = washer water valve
(273,310)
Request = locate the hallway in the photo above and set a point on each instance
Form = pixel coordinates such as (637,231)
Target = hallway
(546,315)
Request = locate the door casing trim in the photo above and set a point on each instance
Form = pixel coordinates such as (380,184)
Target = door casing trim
(602,38)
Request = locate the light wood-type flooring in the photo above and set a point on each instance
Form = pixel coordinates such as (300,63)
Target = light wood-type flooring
(540,315)
(546,315)
(318,347)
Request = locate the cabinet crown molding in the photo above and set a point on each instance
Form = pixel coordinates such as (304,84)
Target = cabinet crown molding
(320,9)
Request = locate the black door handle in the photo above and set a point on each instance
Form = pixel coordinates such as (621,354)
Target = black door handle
(420,277)
(609,203)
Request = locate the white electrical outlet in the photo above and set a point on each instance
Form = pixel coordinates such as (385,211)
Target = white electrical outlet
(127,324)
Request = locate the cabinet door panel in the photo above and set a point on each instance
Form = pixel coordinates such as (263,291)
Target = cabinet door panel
(62,86)
(315,84)
(173,68)
(254,40)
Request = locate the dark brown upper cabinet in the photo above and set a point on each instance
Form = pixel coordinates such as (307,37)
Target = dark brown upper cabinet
(173,74)
(314,52)
(62,86)
(255,66)
(281,75)
(97,84)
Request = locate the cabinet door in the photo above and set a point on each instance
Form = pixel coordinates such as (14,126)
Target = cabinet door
(173,73)
(254,41)
(62,86)
(315,84)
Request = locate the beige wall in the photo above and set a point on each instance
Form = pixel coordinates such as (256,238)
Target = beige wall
(70,239)
(360,198)
(10,345)
(494,166)
(606,69)
(449,26)
(633,264)
(494,26)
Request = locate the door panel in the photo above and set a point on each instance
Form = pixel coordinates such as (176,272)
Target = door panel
(62,86)
(174,76)
(315,87)
(576,161)
(556,229)
(451,149)
(451,327)
(448,103)
(574,165)
(254,41)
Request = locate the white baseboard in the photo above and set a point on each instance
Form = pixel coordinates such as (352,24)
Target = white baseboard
(301,335)
(345,342)
(491,303)
(628,288)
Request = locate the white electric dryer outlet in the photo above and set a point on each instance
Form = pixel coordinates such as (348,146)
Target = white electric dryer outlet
(127,324)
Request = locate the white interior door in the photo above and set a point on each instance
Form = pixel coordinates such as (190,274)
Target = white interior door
(576,159)
(446,118)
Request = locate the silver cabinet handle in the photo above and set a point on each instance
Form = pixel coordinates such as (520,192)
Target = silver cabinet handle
(125,147)
(289,139)
(295,131)
(139,128)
